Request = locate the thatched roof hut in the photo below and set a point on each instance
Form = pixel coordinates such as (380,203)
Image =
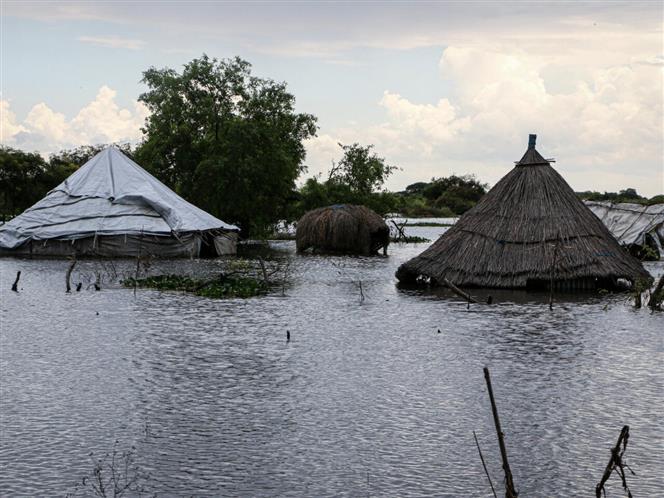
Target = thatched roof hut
(529,229)
(342,228)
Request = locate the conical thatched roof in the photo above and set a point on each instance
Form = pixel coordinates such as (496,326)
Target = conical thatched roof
(528,227)
(342,228)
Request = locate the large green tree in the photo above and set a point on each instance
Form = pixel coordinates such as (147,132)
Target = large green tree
(230,142)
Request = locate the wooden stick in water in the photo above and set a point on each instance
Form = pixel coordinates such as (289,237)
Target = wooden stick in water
(510,490)
(459,292)
(486,471)
(15,284)
(68,277)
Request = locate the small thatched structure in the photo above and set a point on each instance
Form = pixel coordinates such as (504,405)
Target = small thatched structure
(342,228)
(528,230)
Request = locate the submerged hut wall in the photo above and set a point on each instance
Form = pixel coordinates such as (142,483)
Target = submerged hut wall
(528,230)
(342,228)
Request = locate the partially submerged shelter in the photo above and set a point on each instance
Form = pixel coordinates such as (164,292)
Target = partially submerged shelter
(633,225)
(528,230)
(114,208)
(342,228)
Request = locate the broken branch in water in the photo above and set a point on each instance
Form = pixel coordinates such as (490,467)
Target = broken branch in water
(15,284)
(486,471)
(616,463)
(264,271)
(138,260)
(401,234)
(68,276)
(459,292)
(551,274)
(510,490)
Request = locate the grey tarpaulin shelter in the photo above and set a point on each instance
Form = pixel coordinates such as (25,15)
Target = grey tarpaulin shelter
(633,224)
(113,207)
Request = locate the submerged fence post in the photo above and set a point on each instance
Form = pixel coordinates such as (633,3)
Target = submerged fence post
(68,276)
(15,284)
(510,490)
(553,267)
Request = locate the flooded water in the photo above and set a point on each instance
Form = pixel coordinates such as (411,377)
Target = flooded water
(372,398)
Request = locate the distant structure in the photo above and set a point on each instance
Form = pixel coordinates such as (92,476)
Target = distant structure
(112,207)
(529,230)
(343,228)
(633,225)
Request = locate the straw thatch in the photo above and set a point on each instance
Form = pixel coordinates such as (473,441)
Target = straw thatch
(342,228)
(529,230)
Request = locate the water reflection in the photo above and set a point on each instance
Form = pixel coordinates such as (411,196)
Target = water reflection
(366,399)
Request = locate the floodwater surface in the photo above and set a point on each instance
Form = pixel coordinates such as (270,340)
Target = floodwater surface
(372,397)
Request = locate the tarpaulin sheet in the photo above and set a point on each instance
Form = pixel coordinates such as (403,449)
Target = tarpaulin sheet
(108,195)
(630,223)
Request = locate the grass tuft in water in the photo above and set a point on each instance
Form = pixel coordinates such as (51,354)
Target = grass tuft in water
(221,287)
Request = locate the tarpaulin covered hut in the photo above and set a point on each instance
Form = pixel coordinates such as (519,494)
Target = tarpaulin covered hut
(529,230)
(633,225)
(114,208)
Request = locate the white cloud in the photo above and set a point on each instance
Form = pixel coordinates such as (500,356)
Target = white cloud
(607,128)
(100,121)
(113,42)
(8,125)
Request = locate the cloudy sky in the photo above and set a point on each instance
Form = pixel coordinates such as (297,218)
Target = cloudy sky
(438,87)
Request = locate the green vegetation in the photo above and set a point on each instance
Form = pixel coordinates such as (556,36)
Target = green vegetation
(428,224)
(627,195)
(229,141)
(409,239)
(357,178)
(443,197)
(219,288)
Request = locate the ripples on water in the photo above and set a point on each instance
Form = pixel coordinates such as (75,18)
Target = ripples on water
(366,400)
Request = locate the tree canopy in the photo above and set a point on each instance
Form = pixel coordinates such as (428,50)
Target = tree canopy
(228,141)
(358,178)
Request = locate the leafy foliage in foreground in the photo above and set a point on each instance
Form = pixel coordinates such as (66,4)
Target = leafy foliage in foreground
(219,288)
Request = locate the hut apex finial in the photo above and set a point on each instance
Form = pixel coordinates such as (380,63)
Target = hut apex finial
(531,141)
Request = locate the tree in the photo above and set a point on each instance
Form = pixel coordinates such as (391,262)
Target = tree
(357,178)
(228,141)
(360,169)
(458,193)
(21,180)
